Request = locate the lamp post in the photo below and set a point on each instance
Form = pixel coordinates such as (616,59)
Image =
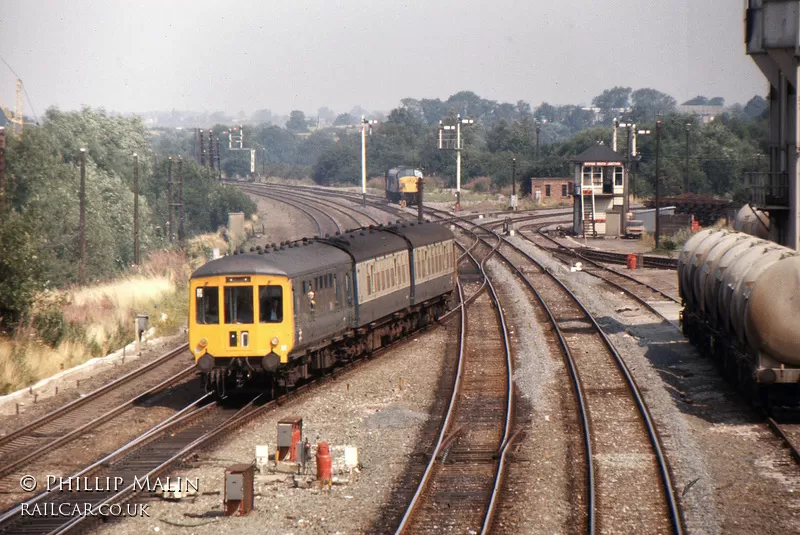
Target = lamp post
(686,179)
(365,124)
(513,183)
(538,128)
(659,124)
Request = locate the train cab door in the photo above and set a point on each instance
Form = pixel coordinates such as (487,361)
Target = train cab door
(238,314)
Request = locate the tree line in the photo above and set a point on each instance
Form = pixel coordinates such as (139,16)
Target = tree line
(39,225)
(542,140)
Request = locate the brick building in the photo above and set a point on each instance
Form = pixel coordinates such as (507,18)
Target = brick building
(551,189)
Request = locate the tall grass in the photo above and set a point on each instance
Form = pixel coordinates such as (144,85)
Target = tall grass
(70,326)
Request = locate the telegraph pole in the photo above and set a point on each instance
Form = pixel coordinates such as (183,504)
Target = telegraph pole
(82,219)
(180,198)
(538,127)
(219,163)
(686,179)
(170,222)
(202,148)
(136,209)
(2,171)
(659,124)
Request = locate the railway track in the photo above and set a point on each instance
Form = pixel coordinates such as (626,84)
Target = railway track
(652,298)
(459,489)
(59,427)
(628,485)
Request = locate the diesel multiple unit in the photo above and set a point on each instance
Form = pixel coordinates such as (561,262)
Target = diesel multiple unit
(741,306)
(280,313)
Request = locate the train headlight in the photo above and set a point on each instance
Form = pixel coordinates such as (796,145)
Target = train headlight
(275,341)
(202,343)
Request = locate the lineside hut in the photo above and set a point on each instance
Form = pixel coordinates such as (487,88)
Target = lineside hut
(600,187)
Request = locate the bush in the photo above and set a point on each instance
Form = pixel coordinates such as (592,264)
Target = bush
(481,184)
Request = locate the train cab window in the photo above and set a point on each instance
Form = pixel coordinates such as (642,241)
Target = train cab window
(207,305)
(239,304)
(347,288)
(270,304)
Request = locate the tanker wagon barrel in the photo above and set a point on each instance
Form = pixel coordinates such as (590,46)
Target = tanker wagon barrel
(742,301)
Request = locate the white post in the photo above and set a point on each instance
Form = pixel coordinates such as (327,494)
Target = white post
(614,136)
(458,163)
(363,161)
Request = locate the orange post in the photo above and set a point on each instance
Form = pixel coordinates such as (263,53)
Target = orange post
(631,261)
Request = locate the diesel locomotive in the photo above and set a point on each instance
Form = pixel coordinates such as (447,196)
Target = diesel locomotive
(401,185)
(279,314)
(740,296)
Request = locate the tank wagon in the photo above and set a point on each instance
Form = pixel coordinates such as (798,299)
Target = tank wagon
(752,221)
(401,185)
(741,297)
(282,313)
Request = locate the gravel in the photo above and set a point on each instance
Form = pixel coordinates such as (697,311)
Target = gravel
(731,475)
(381,408)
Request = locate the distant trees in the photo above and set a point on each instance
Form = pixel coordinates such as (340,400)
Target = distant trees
(649,103)
(297,122)
(756,106)
(612,99)
(344,119)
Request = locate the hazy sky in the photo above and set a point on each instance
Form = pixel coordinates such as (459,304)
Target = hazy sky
(303,54)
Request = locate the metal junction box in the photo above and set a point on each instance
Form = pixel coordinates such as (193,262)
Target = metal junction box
(238,499)
(290,432)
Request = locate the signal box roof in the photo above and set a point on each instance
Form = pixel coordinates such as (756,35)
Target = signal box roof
(288,262)
(598,153)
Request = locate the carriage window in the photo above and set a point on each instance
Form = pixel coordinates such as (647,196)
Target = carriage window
(270,304)
(207,305)
(238,304)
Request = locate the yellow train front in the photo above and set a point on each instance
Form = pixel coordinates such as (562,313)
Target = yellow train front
(278,315)
(401,185)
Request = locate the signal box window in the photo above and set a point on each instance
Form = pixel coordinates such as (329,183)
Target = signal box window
(547,190)
(270,304)
(239,304)
(563,190)
(207,305)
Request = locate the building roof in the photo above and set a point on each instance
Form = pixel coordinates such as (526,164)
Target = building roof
(598,153)
(552,178)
